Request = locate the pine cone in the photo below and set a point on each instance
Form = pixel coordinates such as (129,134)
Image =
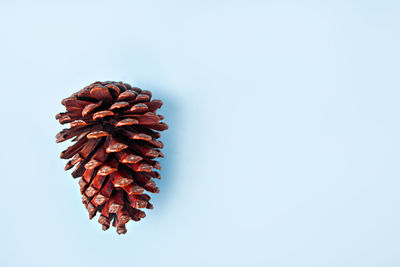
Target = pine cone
(114,126)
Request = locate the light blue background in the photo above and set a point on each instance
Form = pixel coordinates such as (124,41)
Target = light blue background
(283,148)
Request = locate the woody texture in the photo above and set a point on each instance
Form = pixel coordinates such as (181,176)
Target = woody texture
(115,130)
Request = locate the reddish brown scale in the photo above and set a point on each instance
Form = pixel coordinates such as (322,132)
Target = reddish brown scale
(82,184)
(102,93)
(107,189)
(142,98)
(102,114)
(126,156)
(158,127)
(114,127)
(97,182)
(155,175)
(88,174)
(101,154)
(90,108)
(146,182)
(77,123)
(115,146)
(154,105)
(70,133)
(127,96)
(85,199)
(116,202)
(123,216)
(75,105)
(92,164)
(106,170)
(105,217)
(96,134)
(133,189)
(90,191)
(143,119)
(139,108)
(74,149)
(145,130)
(138,202)
(89,147)
(120,179)
(144,150)
(118,105)
(145,92)
(75,159)
(126,122)
(99,199)
(114,90)
(84,94)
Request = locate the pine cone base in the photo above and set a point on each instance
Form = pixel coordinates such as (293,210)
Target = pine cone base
(115,130)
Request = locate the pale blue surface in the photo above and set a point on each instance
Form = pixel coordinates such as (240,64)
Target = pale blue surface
(283,148)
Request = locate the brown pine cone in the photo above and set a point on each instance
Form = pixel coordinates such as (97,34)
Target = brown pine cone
(114,126)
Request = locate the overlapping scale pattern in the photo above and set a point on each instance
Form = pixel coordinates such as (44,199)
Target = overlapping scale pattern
(114,127)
